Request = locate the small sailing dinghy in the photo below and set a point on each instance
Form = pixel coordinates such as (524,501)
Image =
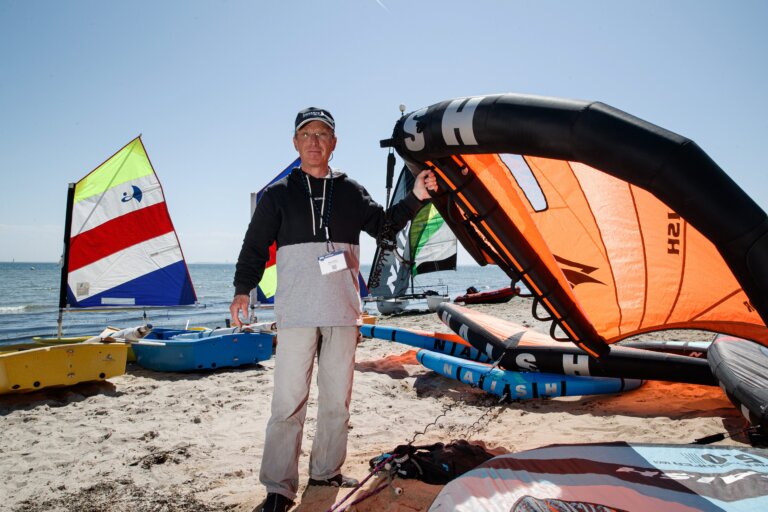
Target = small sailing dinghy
(183,351)
(60,365)
(97,358)
(121,251)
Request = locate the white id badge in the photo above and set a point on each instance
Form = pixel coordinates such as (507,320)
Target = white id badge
(332,262)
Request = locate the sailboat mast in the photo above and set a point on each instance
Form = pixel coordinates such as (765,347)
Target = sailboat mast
(65,257)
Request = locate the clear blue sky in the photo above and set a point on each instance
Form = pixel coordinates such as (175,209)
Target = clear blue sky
(213,87)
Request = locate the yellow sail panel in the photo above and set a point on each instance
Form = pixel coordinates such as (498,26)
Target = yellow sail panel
(128,164)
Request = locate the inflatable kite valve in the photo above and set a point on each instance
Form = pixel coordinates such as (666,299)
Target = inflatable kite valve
(398,491)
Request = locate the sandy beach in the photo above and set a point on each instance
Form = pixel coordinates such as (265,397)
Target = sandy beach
(150,441)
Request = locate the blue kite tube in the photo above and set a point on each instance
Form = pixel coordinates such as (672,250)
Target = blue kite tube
(434,341)
(503,341)
(521,385)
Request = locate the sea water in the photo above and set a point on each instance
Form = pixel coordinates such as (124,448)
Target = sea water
(29,298)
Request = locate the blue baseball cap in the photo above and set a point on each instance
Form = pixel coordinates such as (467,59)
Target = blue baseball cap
(314,114)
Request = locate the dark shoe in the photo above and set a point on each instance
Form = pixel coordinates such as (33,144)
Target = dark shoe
(336,481)
(276,503)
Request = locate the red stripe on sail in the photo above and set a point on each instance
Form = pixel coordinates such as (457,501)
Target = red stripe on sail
(118,234)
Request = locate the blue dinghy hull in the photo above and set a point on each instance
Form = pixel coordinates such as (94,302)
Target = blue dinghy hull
(180,354)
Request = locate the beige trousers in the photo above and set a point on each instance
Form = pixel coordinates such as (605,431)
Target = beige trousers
(294,360)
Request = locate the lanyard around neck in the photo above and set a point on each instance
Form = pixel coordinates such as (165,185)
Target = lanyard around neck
(322,212)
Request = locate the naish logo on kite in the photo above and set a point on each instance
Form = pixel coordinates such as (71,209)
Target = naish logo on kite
(674,229)
(456,125)
(577,273)
(135,194)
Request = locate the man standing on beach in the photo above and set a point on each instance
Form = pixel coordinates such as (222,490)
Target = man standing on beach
(315,215)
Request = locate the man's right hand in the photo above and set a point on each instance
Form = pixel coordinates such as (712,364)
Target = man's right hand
(425,182)
(239,305)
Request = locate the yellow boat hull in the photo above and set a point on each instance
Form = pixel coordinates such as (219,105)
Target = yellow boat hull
(17,347)
(60,365)
(47,342)
(59,341)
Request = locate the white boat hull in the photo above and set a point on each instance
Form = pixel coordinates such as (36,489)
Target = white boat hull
(391,306)
(435,300)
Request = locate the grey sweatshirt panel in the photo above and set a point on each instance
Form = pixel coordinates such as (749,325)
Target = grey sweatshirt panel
(307,298)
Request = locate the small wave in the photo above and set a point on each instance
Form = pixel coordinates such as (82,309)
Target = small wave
(25,308)
(12,310)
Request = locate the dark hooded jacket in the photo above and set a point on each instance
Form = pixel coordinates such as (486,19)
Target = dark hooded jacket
(286,215)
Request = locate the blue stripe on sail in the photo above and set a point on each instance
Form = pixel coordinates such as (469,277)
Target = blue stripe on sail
(282,174)
(168,286)
(363,287)
(263,299)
